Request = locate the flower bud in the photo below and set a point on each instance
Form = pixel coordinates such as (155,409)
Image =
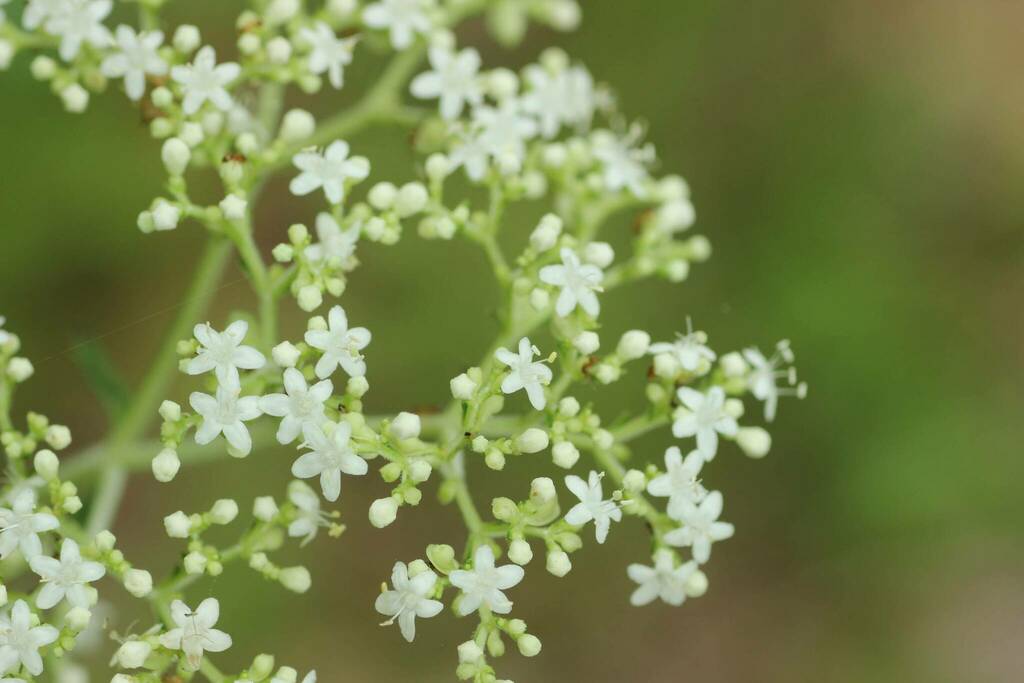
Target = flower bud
(438,166)
(178,525)
(587,342)
(634,481)
(382,196)
(43,68)
(405,426)
(542,491)
(297,125)
(520,552)
(105,541)
(755,441)
(558,563)
(600,254)
(46,464)
(357,387)
(166,465)
(233,207)
(285,354)
(132,654)
(463,387)
(545,235)
(138,582)
(733,365)
(470,652)
(310,297)
(224,511)
(296,579)
(565,454)
(58,436)
(175,155)
(666,366)
(533,440)
(529,645)
(78,618)
(170,411)
(264,508)
(20,369)
(412,198)
(634,344)
(504,509)
(195,563)
(75,98)
(186,38)
(164,215)
(383,512)
(697,584)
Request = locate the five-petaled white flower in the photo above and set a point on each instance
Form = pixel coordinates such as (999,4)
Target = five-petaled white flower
(404,18)
(504,131)
(453,79)
(689,349)
(704,417)
(330,454)
(765,372)
(592,505)
(578,281)
(204,80)
(524,373)
(302,405)
(20,526)
(331,170)
(135,56)
(679,483)
(624,167)
(482,585)
(67,577)
(223,353)
(336,246)
(556,98)
(20,640)
(77,22)
(328,53)
(194,633)
(664,580)
(408,599)
(226,414)
(340,345)
(469,153)
(701,527)
(308,517)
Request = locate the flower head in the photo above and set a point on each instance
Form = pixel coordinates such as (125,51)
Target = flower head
(764,374)
(67,577)
(679,483)
(225,414)
(664,580)
(331,170)
(20,640)
(308,517)
(224,353)
(77,22)
(328,53)
(135,56)
(453,79)
(20,526)
(404,18)
(302,405)
(336,246)
(504,131)
(204,80)
(194,633)
(558,96)
(330,454)
(705,418)
(624,167)
(408,599)
(340,345)
(688,350)
(578,281)
(592,505)
(482,585)
(524,373)
(701,527)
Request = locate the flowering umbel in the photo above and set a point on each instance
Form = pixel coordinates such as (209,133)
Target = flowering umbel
(548,135)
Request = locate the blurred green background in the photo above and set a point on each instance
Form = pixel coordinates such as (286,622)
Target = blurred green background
(858,167)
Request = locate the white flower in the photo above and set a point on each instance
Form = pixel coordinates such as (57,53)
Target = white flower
(308,517)
(328,54)
(679,483)
(701,527)
(330,171)
(664,580)
(20,641)
(330,454)
(592,505)
(704,417)
(563,97)
(336,246)
(469,152)
(77,22)
(688,349)
(764,373)
(524,373)
(408,599)
(504,132)
(453,79)
(135,56)
(20,526)
(623,166)
(302,405)
(194,633)
(578,281)
(67,577)
(405,18)
(340,345)
(482,585)
(38,11)
(204,80)
(226,414)
(223,353)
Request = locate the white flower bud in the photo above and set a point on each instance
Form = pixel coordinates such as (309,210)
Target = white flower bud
(603,439)
(495,459)
(357,387)
(479,443)
(634,344)
(540,299)
(286,354)
(341,8)
(165,216)
(696,584)
(310,297)
(138,582)
(600,254)
(634,481)
(46,464)
(565,454)
(383,512)
(224,511)
(734,365)
(72,504)
(605,373)
(587,342)
(569,407)
(533,440)
(285,674)
(382,196)
(43,68)
(6,54)
(166,465)
(195,563)
(463,387)
(520,552)
(438,166)
(186,38)
(545,235)
(542,491)
(105,541)
(279,50)
(666,366)
(405,426)
(297,125)
(177,525)
(264,508)
(754,441)
(170,411)
(470,652)
(249,44)
(118,678)
(733,407)
(78,618)
(296,579)
(564,15)
(502,83)
(700,248)
(248,144)
(191,133)
(132,654)
(58,436)
(75,98)
(558,563)
(175,155)
(529,645)
(20,369)
(419,471)
(280,11)
(233,207)
(412,198)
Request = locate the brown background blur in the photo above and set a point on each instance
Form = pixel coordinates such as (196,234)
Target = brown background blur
(858,167)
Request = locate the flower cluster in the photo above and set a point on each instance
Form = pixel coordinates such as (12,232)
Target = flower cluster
(547,136)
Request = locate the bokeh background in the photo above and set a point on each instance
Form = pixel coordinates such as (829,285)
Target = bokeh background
(858,167)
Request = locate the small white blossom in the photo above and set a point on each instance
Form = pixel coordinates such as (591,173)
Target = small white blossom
(524,373)
(37,12)
(404,18)
(67,577)
(592,505)
(328,53)
(330,170)
(194,633)
(664,580)
(336,246)
(136,56)
(226,414)
(224,353)
(204,80)
(20,526)
(453,79)
(20,640)
(330,454)
(578,281)
(679,483)
(504,132)
(705,418)
(689,349)
(765,372)
(469,152)
(563,97)
(77,22)
(340,345)
(624,167)
(701,527)
(408,599)
(482,585)
(301,405)
(308,517)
